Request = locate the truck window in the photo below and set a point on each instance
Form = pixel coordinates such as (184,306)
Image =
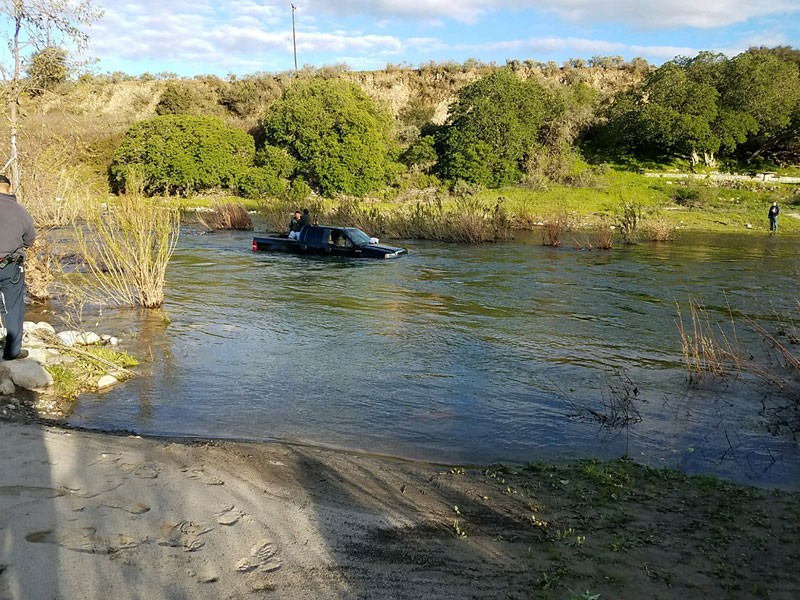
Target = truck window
(313,236)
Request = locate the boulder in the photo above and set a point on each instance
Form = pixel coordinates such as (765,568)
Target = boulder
(88,339)
(69,337)
(25,373)
(7,387)
(106,381)
(43,326)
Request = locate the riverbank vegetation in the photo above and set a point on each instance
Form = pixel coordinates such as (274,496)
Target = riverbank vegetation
(592,153)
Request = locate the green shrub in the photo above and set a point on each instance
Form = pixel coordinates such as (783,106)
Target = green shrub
(177,99)
(259,182)
(339,136)
(178,154)
(491,129)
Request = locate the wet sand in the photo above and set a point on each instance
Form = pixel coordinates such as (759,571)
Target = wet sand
(92,515)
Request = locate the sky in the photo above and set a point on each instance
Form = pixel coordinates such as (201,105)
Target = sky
(241,37)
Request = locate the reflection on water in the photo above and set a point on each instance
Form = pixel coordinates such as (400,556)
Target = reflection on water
(454,353)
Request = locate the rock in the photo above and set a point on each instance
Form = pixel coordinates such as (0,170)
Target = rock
(25,373)
(31,340)
(110,339)
(40,355)
(68,338)
(87,339)
(7,387)
(43,326)
(106,381)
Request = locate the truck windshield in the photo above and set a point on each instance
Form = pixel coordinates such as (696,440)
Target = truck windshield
(358,237)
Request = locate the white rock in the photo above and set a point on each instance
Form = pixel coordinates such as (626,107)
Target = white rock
(7,387)
(44,326)
(87,339)
(40,355)
(109,339)
(26,373)
(106,381)
(33,341)
(28,326)
(68,338)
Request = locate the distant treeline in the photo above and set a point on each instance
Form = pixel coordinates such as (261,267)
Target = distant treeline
(318,130)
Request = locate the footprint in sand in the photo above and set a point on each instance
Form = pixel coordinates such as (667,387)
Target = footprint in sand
(85,540)
(126,504)
(228,515)
(142,470)
(31,491)
(184,535)
(263,557)
(205,477)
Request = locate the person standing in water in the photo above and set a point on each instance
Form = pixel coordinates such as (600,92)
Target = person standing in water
(773,213)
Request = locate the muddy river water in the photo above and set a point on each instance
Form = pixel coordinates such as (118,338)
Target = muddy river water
(456,353)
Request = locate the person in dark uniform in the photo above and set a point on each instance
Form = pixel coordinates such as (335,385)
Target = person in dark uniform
(16,233)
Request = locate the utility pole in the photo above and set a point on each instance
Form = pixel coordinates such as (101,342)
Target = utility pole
(294,39)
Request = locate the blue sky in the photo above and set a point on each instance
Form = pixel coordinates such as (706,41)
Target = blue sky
(222,37)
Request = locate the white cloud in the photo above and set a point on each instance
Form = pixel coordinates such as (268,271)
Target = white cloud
(213,35)
(650,14)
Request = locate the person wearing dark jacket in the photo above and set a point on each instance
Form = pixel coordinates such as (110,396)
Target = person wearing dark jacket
(16,233)
(773,213)
(305,219)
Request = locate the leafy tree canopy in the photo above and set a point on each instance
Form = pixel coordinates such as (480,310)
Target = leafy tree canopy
(491,129)
(339,137)
(709,104)
(178,154)
(46,69)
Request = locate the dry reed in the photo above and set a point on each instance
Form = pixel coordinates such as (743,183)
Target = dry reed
(227,215)
(554,227)
(126,250)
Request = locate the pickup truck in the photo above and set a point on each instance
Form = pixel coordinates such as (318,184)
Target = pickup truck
(331,241)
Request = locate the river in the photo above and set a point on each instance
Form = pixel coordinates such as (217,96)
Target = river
(460,354)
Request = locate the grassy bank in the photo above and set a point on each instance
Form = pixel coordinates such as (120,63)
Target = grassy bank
(596,199)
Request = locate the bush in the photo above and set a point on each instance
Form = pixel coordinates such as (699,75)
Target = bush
(178,154)
(227,215)
(258,182)
(491,129)
(177,99)
(339,136)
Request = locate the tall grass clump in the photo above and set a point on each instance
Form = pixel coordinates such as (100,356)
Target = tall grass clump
(467,220)
(604,236)
(126,249)
(773,362)
(707,351)
(628,221)
(227,215)
(658,229)
(355,212)
(556,225)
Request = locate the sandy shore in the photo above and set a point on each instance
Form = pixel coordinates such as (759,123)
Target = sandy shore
(88,515)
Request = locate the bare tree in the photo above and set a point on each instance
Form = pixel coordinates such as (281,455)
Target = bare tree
(34,25)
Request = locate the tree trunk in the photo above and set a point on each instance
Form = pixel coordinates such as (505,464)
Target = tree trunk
(13,109)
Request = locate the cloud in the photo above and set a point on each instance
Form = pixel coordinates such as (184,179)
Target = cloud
(202,36)
(579,48)
(647,14)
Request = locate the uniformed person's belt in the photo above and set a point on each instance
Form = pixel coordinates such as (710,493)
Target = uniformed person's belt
(10,259)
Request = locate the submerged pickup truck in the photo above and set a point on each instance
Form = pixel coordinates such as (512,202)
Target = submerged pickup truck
(329,240)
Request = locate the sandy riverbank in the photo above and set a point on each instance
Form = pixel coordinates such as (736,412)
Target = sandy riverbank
(88,515)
